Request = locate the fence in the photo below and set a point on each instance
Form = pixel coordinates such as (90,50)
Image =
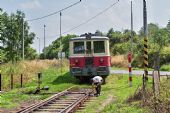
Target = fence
(11,81)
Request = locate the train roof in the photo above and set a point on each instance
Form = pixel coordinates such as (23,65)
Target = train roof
(92,38)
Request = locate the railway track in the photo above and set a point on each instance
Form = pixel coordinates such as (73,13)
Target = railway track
(67,101)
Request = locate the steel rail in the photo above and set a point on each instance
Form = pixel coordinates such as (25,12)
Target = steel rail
(74,100)
(46,101)
(75,105)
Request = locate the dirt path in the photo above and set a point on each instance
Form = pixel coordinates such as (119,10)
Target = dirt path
(106,102)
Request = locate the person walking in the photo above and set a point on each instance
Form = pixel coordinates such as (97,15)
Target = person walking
(97,81)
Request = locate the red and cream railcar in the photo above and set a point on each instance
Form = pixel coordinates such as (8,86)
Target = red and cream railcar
(89,56)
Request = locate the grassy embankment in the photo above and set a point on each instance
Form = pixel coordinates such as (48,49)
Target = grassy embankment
(115,90)
(50,77)
(113,97)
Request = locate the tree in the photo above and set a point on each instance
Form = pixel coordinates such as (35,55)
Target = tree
(11,27)
(52,50)
(168,26)
(110,32)
(161,38)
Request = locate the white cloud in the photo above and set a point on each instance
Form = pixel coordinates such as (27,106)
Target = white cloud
(30,4)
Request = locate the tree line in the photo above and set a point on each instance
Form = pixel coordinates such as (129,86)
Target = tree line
(158,42)
(11,37)
(11,32)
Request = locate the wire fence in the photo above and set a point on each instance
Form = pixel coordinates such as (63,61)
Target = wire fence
(12,81)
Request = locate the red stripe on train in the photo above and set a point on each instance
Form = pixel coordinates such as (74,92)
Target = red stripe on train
(97,61)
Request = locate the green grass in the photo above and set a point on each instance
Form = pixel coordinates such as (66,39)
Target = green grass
(50,77)
(117,87)
(134,68)
(165,67)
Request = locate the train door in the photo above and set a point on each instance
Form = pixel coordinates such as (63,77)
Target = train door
(89,57)
(88,48)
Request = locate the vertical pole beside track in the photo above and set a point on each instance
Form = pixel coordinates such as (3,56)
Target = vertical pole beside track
(23,40)
(145,41)
(44,42)
(145,77)
(21,80)
(130,69)
(11,81)
(39,81)
(131,50)
(0,83)
(60,44)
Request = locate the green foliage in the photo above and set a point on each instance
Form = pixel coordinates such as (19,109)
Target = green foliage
(120,48)
(168,25)
(120,43)
(11,29)
(2,56)
(158,40)
(52,50)
(165,67)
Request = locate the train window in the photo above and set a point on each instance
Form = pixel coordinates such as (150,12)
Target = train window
(79,47)
(88,47)
(99,47)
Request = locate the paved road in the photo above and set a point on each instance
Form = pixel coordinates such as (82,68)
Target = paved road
(137,72)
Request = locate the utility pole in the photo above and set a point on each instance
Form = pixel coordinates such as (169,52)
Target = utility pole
(23,39)
(44,42)
(131,50)
(38,45)
(131,27)
(60,44)
(145,40)
(145,76)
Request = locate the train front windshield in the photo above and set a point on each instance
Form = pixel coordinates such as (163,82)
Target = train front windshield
(85,47)
(79,48)
(99,47)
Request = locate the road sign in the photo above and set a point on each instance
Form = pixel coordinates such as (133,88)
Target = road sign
(61,54)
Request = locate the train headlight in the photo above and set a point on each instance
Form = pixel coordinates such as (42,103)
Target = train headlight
(101,60)
(76,61)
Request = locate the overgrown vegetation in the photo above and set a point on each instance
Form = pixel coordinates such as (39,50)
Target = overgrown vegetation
(11,37)
(29,69)
(156,103)
(50,77)
(115,91)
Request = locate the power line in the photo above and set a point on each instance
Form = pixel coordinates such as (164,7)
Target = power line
(39,18)
(91,18)
(85,22)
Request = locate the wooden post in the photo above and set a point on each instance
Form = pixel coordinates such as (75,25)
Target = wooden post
(39,80)
(144,88)
(21,80)
(11,81)
(156,83)
(0,83)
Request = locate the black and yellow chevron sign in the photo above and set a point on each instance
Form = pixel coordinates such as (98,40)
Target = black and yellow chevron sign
(146,56)
(145,41)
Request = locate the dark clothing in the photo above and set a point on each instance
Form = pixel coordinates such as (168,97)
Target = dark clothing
(98,88)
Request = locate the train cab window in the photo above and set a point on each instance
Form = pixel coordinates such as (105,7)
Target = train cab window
(79,47)
(99,47)
(88,47)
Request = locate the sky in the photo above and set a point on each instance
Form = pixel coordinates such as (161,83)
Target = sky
(117,17)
